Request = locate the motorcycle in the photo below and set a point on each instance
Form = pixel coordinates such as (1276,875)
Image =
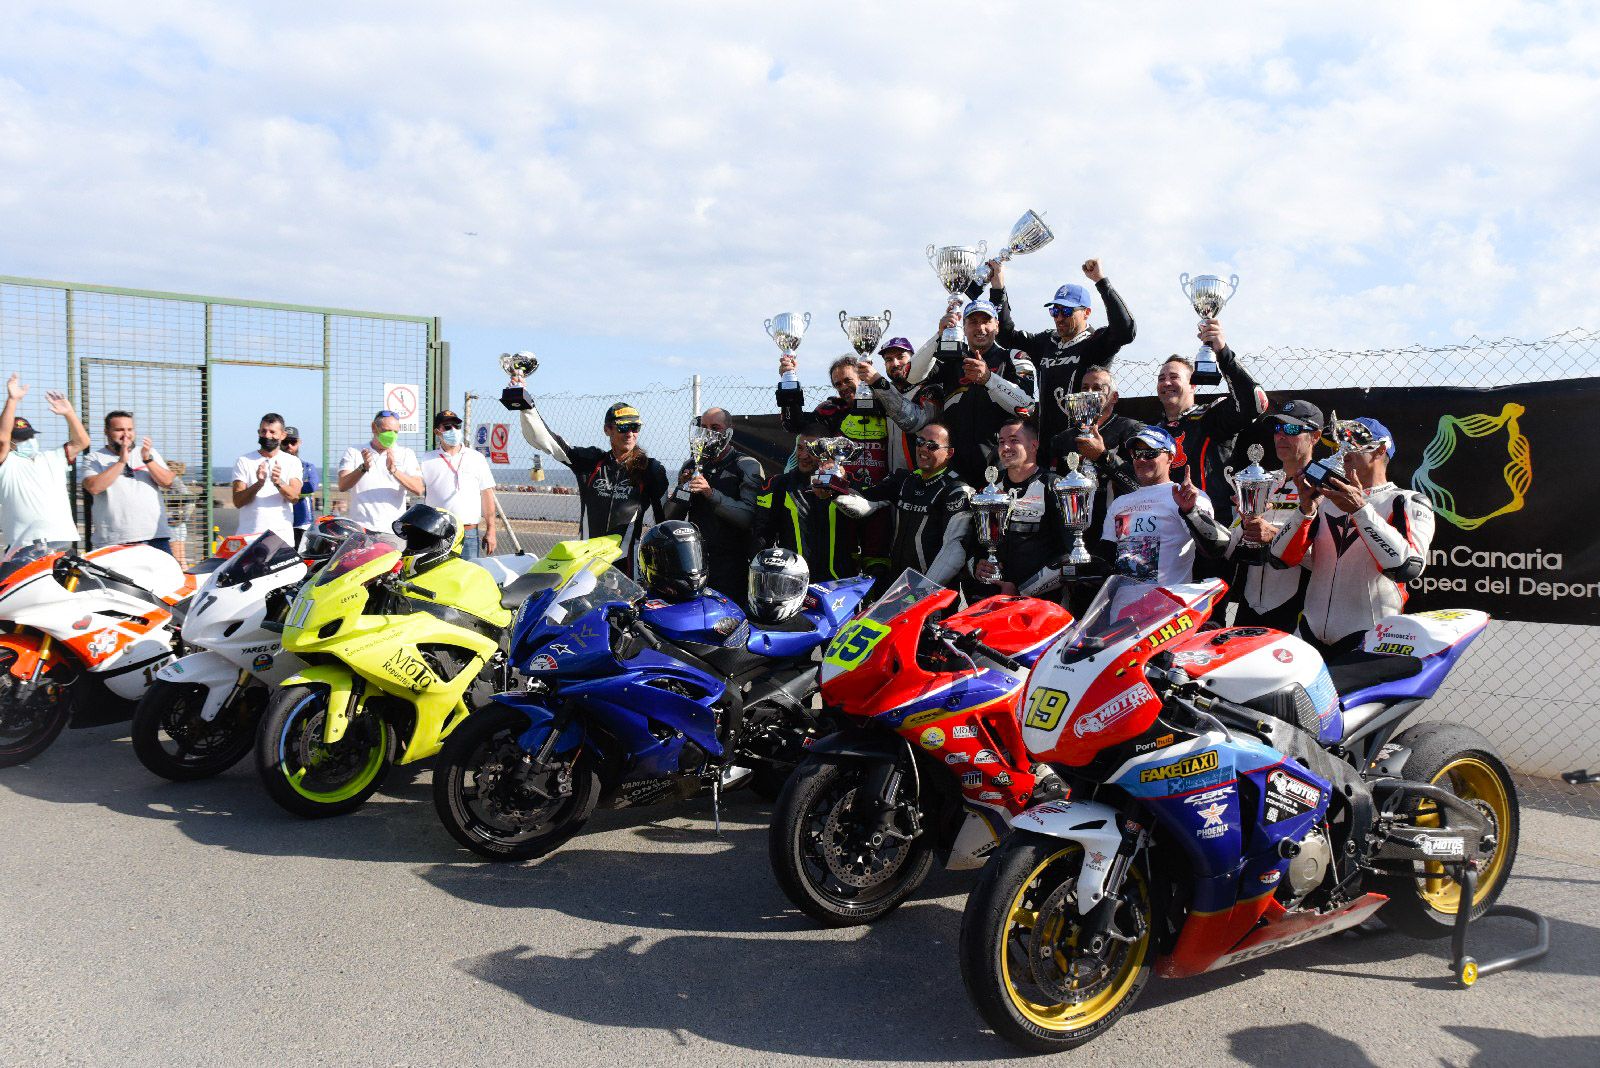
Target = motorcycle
(928,755)
(1231,795)
(634,703)
(199,717)
(394,661)
(81,638)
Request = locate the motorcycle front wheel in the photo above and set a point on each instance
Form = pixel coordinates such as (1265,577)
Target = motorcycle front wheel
(494,804)
(834,868)
(305,774)
(1024,965)
(33,712)
(171,739)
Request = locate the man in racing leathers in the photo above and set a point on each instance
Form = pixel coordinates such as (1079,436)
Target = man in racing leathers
(931,508)
(616,486)
(722,504)
(794,512)
(1034,537)
(1269,592)
(897,353)
(1062,355)
(1362,538)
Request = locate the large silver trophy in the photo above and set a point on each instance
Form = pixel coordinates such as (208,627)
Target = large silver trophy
(1253,488)
(1207,295)
(518,366)
(957,268)
(786,330)
(1075,496)
(864,332)
(991,513)
(1348,436)
(1030,234)
(1082,409)
(703,442)
(833,454)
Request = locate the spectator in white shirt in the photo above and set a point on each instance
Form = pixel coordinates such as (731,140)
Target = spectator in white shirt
(458,480)
(379,475)
(34,500)
(266,483)
(126,479)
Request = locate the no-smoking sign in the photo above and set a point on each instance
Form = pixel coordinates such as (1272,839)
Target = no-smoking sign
(499,434)
(404,400)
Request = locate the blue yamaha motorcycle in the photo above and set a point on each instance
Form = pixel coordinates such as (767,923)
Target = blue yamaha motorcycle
(631,701)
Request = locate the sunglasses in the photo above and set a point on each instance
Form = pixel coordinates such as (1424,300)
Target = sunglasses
(1144,454)
(449,424)
(930,445)
(627,428)
(1058,312)
(1290,430)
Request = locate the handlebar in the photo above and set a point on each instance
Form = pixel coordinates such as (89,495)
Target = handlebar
(969,642)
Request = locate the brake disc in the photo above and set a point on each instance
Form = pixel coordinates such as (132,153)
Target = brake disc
(1081,975)
(852,860)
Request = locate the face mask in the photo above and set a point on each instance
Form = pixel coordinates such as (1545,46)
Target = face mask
(387,438)
(27,449)
(267,444)
(451,437)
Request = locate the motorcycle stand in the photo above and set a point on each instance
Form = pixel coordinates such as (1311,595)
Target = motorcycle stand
(1467,970)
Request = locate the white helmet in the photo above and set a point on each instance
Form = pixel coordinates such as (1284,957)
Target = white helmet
(778,581)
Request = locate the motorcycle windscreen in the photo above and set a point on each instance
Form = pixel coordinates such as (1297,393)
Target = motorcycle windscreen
(359,550)
(265,554)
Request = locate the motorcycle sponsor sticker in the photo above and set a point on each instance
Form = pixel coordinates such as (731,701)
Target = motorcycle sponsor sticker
(654,603)
(1113,710)
(1094,859)
(1170,631)
(986,756)
(82,624)
(1434,846)
(965,730)
(956,758)
(1394,649)
(103,644)
(1215,826)
(1160,743)
(972,778)
(1283,656)
(262,661)
(1194,658)
(990,795)
(542,662)
(1287,796)
(1267,878)
(1002,779)
(1178,769)
(408,669)
(932,738)
(1209,796)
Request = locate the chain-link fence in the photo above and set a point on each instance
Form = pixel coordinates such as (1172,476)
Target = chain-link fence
(1526,686)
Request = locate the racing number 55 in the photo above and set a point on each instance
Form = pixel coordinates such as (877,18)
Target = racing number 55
(855,642)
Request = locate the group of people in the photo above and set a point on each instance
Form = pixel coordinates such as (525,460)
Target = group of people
(1329,557)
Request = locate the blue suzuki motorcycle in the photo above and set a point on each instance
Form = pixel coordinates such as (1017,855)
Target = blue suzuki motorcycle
(631,701)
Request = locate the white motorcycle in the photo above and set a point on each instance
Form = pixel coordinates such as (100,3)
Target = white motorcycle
(81,637)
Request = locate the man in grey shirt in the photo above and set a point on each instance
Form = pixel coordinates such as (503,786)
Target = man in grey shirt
(125,480)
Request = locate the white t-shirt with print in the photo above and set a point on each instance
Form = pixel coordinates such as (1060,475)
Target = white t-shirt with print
(376,500)
(1153,540)
(456,482)
(34,502)
(269,511)
(131,508)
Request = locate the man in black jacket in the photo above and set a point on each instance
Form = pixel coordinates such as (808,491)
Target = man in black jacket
(1063,354)
(1034,538)
(722,503)
(1102,447)
(1205,432)
(794,513)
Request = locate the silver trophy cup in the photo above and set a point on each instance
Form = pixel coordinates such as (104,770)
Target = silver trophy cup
(786,330)
(1030,234)
(1253,488)
(517,366)
(1348,436)
(991,514)
(1075,496)
(833,455)
(957,268)
(1082,409)
(703,442)
(864,332)
(1207,295)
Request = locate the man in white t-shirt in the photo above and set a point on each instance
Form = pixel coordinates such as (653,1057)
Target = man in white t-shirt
(125,479)
(458,480)
(1154,530)
(378,476)
(34,502)
(266,483)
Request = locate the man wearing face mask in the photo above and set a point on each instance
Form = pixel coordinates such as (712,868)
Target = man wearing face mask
(125,479)
(34,502)
(379,474)
(266,483)
(459,480)
(722,503)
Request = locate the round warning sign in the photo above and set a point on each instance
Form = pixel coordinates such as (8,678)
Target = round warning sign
(402,398)
(498,437)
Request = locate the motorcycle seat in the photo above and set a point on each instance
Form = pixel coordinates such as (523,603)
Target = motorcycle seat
(1356,671)
(525,586)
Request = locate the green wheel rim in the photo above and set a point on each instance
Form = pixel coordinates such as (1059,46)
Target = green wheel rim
(358,782)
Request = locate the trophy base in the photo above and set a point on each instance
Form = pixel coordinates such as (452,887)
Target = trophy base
(682,494)
(516,399)
(1318,471)
(1205,368)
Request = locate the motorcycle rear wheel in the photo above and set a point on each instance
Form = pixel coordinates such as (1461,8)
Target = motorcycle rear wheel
(307,776)
(823,862)
(1017,935)
(32,712)
(171,740)
(481,807)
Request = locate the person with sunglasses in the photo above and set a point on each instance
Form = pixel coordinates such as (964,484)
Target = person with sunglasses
(458,480)
(309,484)
(125,480)
(1268,592)
(931,509)
(1062,355)
(722,504)
(1362,538)
(617,485)
(1155,532)
(379,474)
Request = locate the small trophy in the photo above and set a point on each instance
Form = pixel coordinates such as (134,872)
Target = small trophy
(786,330)
(1253,487)
(957,268)
(703,442)
(992,511)
(833,454)
(1081,409)
(1030,234)
(1348,436)
(1206,296)
(864,332)
(518,365)
(1075,496)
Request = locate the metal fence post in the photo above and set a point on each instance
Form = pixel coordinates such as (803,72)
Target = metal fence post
(205,442)
(694,396)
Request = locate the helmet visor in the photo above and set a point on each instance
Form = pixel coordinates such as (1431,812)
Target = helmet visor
(776,586)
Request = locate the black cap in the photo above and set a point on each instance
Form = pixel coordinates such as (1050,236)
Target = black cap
(622,414)
(22,430)
(1302,412)
(446,416)
(291,433)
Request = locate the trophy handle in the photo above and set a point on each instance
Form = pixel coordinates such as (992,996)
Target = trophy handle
(1183,283)
(767,325)
(1233,285)
(983,250)
(887,318)
(806,318)
(928,252)
(1227,476)
(842,318)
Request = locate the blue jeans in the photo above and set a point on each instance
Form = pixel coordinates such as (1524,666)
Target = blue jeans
(471,546)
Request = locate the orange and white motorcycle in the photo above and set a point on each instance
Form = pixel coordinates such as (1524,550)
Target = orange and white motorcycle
(81,638)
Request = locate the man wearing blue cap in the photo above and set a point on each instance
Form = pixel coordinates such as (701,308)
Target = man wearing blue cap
(1063,354)
(1362,538)
(1155,531)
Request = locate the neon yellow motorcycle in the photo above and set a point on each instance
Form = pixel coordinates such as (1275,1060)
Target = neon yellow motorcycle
(399,647)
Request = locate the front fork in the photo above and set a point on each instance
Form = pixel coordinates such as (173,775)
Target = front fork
(44,645)
(1096,929)
(877,801)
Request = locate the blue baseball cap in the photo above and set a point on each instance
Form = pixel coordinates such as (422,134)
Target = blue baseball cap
(1380,434)
(897,343)
(980,306)
(1070,297)
(1157,438)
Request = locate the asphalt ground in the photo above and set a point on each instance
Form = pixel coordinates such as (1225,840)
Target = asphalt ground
(151,923)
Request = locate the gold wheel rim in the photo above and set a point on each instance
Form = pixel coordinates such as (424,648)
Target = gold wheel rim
(1086,1013)
(1472,780)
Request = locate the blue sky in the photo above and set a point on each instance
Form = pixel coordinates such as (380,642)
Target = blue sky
(630,189)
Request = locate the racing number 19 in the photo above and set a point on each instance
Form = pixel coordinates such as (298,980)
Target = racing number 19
(1045,707)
